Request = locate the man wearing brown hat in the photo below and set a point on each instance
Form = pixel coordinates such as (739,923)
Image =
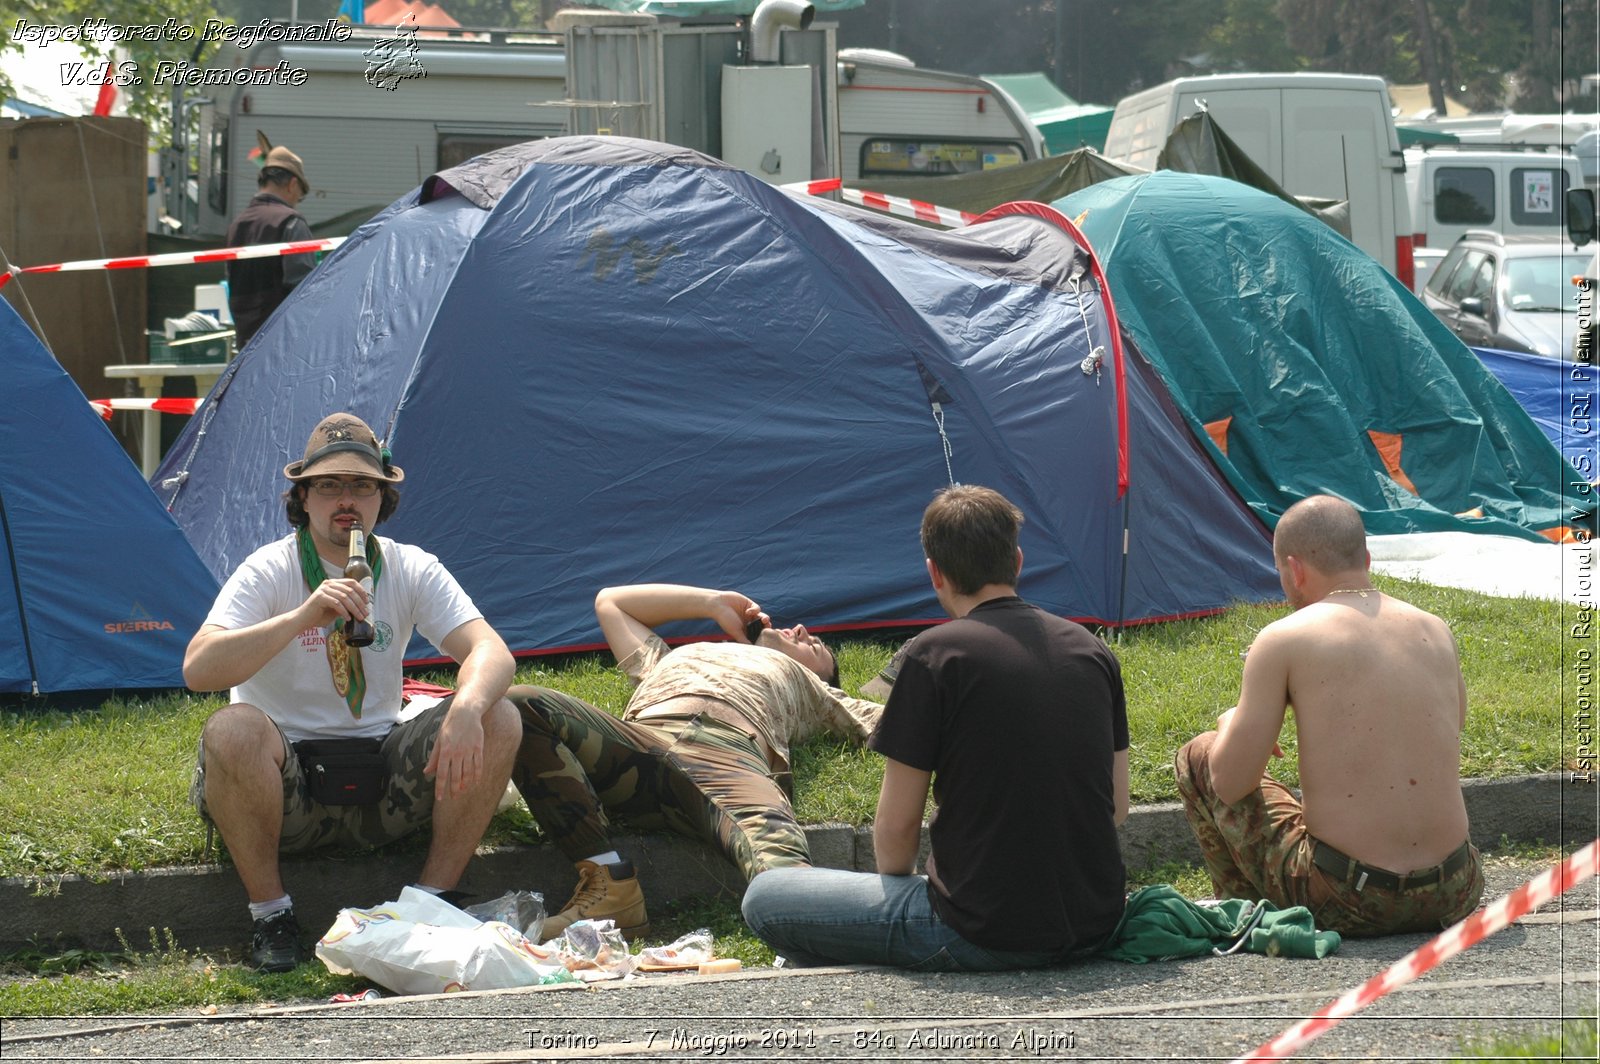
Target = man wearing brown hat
(276,636)
(257,286)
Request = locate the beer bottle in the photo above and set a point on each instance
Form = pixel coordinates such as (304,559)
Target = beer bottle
(360,633)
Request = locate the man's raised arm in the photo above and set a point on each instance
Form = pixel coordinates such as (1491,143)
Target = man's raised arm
(218,658)
(628,615)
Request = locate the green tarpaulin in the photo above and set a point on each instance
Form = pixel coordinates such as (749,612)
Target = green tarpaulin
(1197,145)
(1410,135)
(1303,367)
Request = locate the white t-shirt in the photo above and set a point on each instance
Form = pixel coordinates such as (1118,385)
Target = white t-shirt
(296,687)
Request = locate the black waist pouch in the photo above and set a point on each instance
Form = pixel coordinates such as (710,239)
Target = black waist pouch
(344,771)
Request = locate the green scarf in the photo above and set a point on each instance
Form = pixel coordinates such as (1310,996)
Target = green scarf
(344,660)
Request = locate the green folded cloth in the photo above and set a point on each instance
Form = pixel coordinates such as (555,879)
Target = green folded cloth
(1159,924)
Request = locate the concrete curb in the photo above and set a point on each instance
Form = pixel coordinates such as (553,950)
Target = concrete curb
(203,907)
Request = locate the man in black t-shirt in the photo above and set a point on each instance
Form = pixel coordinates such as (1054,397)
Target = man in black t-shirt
(1016,718)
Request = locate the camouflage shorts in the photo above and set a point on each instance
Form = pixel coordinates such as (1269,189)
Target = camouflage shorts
(308,825)
(578,766)
(1259,847)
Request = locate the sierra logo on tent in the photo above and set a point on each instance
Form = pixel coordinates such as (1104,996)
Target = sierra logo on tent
(607,256)
(139,620)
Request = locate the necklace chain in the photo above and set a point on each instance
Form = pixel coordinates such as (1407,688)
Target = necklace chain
(1362,591)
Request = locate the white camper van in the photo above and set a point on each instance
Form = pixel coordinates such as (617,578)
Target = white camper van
(364,146)
(1514,193)
(470,90)
(1325,135)
(897,119)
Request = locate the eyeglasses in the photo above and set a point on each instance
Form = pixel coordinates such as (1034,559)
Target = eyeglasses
(330,488)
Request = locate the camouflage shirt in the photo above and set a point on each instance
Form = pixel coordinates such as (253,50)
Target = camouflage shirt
(785,701)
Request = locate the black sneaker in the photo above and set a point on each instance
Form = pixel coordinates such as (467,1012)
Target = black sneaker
(275,944)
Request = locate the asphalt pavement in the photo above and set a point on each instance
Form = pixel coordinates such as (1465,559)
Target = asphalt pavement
(1523,980)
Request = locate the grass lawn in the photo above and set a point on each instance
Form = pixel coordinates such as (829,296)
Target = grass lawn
(103,790)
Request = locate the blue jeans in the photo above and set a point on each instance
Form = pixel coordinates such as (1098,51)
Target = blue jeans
(813,916)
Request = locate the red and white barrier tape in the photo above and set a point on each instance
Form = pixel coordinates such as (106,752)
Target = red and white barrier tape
(905,208)
(814,188)
(180,258)
(160,406)
(909,208)
(1480,925)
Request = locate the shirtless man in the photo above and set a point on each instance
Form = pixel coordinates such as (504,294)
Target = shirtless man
(1378,844)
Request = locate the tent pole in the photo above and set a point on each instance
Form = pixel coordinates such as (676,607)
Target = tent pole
(1122,591)
(22,611)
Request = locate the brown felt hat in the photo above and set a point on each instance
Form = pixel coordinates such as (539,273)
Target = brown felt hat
(343,444)
(284,159)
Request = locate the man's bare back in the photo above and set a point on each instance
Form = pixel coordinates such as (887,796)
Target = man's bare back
(1379,704)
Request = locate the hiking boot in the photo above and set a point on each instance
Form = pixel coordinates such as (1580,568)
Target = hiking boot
(275,945)
(605,892)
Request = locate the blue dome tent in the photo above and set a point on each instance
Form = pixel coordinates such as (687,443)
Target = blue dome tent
(604,360)
(99,590)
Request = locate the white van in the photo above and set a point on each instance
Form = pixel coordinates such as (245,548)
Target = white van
(1325,135)
(1514,193)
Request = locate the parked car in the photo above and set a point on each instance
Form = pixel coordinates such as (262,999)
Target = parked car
(1513,293)
(1425,261)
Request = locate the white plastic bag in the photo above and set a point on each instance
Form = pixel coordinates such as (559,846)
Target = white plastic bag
(422,945)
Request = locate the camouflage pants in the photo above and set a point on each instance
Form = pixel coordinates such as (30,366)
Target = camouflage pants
(1259,847)
(578,766)
(309,825)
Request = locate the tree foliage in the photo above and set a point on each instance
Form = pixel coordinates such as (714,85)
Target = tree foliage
(144,101)
(1489,53)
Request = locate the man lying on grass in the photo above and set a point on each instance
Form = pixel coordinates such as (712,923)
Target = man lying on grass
(702,749)
(1378,842)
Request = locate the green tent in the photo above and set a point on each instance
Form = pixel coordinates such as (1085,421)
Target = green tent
(1066,124)
(1303,367)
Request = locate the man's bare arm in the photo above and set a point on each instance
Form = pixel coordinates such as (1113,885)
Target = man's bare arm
(1247,734)
(629,614)
(1119,785)
(486,671)
(897,827)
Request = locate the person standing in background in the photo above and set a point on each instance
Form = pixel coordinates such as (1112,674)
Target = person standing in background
(257,286)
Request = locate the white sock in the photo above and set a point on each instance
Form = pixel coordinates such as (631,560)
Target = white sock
(609,857)
(435,891)
(262,909)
